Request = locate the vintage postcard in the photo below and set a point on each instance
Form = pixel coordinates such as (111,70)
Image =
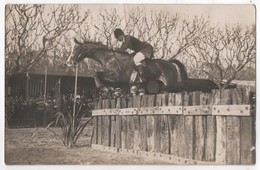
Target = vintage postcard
(130,84)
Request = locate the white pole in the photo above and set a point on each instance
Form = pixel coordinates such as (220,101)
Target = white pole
(75,96)
(45,98)
(59,89)
(45,85)
(27,85)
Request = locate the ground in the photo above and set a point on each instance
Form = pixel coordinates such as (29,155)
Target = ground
(29,146)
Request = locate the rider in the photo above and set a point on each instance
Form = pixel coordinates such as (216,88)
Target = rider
(141,49)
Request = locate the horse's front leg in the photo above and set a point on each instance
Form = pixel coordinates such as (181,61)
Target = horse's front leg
(106,77)
(98,81)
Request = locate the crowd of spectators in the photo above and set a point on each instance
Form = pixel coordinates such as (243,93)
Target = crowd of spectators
(18,107)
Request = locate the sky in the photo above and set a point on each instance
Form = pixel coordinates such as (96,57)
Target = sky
(219,14)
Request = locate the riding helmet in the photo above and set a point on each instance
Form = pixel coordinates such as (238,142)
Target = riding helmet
(118,32)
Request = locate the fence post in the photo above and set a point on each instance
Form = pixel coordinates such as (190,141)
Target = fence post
(222,97)
(143,126)
(200,127)
(130,126)
(113,125)
(123,124)
(233,132)
(150,125)
(95,126)
(99,122)
(165,140)
(137,136)
(188,129)
(118,125)
(210,143)
(247,129)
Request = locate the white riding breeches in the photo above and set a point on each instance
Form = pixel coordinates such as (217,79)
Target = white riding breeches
(138,58)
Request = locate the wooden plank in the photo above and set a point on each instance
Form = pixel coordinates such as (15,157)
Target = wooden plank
(157,122)
(106,125)
(200,128)
(105,112)
(124,124)
(170,110)
(150,125)
(130,127)
(233,133)
(210,142)
(171,123)
(165,141)
(128,111)
(147,110)
(105,148)
(143,126)
(197,110)
(221,138)
(113,125)
(99,130)
(95,131)
(99,106)
(124,131)
(180,129)
(95,126)
(231,110)
(171,158)
(188,129)
(137,137)
(247,130)
(118,126)
(123,102)
(174,99)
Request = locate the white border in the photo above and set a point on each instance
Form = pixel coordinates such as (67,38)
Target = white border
(170,167)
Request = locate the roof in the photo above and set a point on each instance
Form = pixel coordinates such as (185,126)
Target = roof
(61,73)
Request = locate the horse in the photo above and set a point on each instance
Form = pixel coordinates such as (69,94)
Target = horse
(119,70)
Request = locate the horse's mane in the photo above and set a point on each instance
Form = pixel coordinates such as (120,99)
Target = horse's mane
(100,44)
(103,46)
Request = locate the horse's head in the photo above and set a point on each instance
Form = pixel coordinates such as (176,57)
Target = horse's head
(82,50)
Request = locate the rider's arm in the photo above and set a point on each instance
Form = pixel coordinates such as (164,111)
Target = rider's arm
(125,45)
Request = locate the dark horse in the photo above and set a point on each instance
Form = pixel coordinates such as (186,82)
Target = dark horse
(118,67)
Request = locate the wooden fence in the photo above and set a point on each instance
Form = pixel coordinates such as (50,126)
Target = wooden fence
(183,128)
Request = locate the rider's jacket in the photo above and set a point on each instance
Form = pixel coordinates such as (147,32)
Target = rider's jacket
(136,45)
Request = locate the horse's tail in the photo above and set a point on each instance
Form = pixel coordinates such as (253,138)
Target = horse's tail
(183,70)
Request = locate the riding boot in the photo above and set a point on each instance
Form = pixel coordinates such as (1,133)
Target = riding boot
(140,69)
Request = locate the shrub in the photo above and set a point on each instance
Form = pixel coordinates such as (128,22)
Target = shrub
(70,125)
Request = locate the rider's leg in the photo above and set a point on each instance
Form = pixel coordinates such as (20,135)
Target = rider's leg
(138,58)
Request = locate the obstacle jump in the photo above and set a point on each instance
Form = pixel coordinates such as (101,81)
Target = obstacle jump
(183,128)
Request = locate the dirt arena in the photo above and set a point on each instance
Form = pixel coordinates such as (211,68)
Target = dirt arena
(30,146)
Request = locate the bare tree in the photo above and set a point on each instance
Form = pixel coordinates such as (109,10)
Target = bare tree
(223,53)
(32,28)
(109,20)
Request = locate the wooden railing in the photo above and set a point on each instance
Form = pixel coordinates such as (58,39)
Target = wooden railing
(184,128)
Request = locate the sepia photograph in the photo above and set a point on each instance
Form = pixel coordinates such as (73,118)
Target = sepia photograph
(130,84)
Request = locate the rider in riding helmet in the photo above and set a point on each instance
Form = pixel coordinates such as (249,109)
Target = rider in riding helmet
(141,49)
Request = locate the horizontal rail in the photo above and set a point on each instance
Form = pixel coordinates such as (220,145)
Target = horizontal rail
(225,110)
(159,156)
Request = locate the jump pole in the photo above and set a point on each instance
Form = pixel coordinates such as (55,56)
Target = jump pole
(75,97)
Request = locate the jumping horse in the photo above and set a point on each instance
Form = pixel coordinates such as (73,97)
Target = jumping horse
(119,70)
